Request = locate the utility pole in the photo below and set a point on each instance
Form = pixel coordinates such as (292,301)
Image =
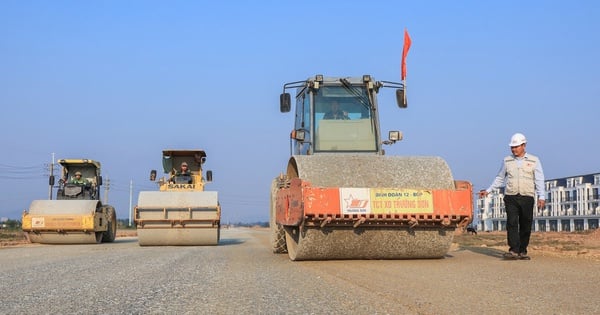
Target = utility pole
(130,196)
(51,174)
(106,189)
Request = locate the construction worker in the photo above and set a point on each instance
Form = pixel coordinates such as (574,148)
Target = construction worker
(336,112)
(522,176)
(183,170)
(183,174)
(78,180)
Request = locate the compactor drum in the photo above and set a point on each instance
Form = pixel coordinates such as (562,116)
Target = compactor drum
(181,212)
(76,216)
(342,198)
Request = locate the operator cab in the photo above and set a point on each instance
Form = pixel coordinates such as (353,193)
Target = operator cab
(337,115)
(176,180)
(87,189)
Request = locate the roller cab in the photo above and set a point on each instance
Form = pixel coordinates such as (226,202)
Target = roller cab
(76,216)
(181,212)
(341,197)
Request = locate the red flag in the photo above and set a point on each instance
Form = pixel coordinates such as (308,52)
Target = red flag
(407,43)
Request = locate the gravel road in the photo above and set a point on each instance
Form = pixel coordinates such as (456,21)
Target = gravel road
(242,276)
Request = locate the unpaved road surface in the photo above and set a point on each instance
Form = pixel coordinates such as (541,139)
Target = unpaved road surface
(242,276)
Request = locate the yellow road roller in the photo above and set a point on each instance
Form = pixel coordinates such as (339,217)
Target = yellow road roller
(340,197)
(181,212)
(76,216)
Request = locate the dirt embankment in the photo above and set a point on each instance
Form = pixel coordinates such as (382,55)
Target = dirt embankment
(566,244)
(17,238)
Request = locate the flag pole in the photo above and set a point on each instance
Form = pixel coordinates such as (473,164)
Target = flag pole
(404,84)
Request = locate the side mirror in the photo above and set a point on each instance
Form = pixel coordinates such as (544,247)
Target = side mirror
(285,102)
(209,176)
(99,181)
(51,180)
(401,98)
(153,175)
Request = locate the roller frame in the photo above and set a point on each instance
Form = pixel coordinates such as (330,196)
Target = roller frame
(167,218)
(68,222)
(452,208)
(317,229)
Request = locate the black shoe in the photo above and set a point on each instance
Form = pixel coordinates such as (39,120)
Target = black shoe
(510,256)
(523,256)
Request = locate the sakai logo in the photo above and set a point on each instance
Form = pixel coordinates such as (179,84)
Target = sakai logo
(181,186)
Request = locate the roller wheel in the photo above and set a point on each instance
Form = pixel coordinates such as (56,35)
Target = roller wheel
(110,234)
(292,237)
(277,231)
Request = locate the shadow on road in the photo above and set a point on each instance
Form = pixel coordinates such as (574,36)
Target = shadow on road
(231,241)
(128,239)
(222,242)
(492,252)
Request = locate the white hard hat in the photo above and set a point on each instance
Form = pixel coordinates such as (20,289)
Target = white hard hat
(517,139)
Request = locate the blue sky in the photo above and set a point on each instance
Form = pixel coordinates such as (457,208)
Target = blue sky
(119,81)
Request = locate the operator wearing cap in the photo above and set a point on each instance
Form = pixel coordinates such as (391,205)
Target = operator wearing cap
(78,180)
(522,176)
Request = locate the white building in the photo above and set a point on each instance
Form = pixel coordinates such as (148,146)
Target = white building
(572,204)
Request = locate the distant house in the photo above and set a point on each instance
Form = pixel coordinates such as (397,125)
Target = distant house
(572,204)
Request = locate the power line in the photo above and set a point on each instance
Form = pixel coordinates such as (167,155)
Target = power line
(28,177)
(28,172)
(20,167)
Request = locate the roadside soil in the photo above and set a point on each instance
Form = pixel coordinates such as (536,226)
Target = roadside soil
(563,244)
(584,245)
(11,238)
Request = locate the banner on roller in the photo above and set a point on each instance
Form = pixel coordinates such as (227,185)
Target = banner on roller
(385,201)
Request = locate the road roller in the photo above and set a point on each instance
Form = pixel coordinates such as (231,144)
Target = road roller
(341,197)
(76,216)
(181,212)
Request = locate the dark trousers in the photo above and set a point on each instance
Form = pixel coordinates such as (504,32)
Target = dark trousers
(519,215)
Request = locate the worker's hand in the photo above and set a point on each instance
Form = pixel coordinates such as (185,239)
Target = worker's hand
(541,204)
(482,193)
